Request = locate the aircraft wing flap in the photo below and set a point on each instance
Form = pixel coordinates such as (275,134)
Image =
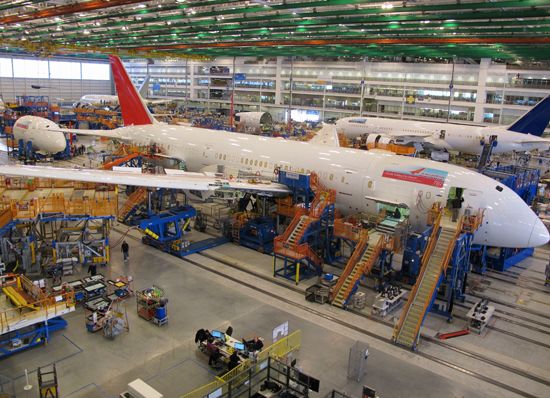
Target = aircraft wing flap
(409,134)
(185,181)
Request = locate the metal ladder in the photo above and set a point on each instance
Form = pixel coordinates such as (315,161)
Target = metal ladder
(407,330)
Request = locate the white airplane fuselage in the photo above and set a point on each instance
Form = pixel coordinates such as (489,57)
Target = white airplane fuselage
(360,178)
(44,134)
(452,137)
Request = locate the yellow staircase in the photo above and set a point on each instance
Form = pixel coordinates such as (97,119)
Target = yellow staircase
(434,263)
(135,198)
(360,263)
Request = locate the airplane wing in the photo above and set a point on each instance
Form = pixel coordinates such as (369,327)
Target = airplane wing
(536,140)
(173,180)
(326,136)
(115,134)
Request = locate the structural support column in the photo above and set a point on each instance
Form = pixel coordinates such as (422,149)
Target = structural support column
(484,65)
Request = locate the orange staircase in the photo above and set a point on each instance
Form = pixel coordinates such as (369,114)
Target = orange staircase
(136,198)
(288,244)
(360,263)
(119,161)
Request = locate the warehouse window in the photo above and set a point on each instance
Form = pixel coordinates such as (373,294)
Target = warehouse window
(64,70)
(94,71)
(5,67)
(30,68)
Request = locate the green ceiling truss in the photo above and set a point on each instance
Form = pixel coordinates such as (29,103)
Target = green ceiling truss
(203,24)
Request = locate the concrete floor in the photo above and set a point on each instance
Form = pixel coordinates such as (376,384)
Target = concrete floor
(167,358)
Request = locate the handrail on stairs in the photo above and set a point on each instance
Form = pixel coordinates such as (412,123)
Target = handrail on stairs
(367,265)
(443,268)
(293,224)
(436,221)
(133,199)
(353,260)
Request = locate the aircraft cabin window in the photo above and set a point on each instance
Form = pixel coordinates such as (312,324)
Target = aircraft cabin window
(343,178)
(331,177)
(246,161)
(255,162)
(499,188)
(224,155)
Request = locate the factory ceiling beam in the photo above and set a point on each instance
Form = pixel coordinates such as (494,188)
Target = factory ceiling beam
(65,9)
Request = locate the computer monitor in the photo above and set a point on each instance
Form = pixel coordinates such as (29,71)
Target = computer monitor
(239,346)
(218,335)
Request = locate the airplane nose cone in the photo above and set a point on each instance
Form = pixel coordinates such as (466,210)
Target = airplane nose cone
(539,234)
(60,144)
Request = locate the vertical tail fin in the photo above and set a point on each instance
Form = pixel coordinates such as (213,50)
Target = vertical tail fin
(134,111)
(535,121)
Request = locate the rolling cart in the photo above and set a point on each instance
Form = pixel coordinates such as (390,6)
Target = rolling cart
(151,305)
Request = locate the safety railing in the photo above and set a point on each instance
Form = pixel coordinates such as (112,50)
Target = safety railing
(297,252)
(323,198)
(425,258)
(443,268)
(348,230)
(286,207)
(277,350)
(367,265)
(23,209)
(44,183)
(133,200)
(352,262)
(293,224)
(472,222)
(117,162)
(395,148)
(5,216)
(37,305)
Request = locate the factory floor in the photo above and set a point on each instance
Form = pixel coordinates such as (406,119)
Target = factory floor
(206,293)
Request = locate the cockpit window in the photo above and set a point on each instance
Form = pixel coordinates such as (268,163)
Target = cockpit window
(360,120)
(499,188)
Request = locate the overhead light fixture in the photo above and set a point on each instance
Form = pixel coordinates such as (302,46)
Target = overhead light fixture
(141,6)
(57,19)
(17,25)
(58,28)
(180,1)
(97,23)
(387,6)
(86,31)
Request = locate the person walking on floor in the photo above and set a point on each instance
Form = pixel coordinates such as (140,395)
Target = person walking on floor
(92,269)
(125,251)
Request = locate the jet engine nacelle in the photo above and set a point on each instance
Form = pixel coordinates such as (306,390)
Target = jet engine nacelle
(378,141)
(46,136)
